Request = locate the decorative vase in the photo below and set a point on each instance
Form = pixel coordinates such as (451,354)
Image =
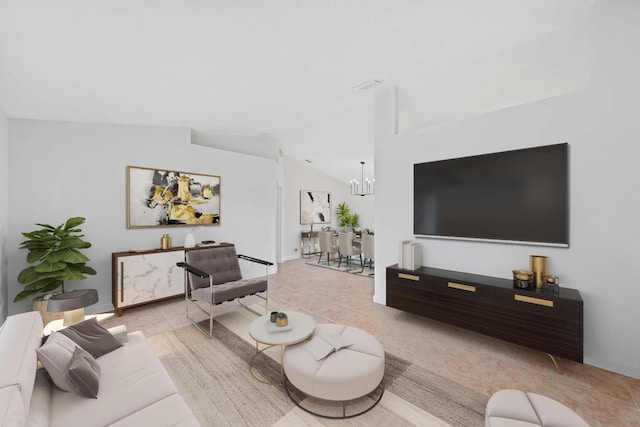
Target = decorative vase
(189,241)
(165,241)
(539,268)
(282,320)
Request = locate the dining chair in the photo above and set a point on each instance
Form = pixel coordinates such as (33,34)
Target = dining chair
(347,248)
(325,241)
(368,250)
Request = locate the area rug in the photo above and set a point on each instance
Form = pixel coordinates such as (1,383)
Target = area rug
(213,377)
(354,268)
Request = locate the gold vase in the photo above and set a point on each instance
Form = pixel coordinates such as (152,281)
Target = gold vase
(165,241)
(539,265)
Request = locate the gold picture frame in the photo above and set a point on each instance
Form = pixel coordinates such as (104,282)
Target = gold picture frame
(169,198)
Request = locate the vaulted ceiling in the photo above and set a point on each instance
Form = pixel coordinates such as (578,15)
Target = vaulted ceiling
(267,70)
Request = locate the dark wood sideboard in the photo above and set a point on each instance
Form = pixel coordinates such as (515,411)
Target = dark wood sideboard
(538,319)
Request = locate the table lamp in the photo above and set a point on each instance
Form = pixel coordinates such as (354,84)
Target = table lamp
(73,304)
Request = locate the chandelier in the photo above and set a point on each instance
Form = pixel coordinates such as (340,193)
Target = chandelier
(364,187)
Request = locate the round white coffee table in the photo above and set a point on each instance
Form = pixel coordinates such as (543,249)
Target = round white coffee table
(300,327)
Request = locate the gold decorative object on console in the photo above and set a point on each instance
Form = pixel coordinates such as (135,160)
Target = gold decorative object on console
(539,268)
(552,283)
(522,274)
(552,280)
(281,319)
(523,279)
(165,241)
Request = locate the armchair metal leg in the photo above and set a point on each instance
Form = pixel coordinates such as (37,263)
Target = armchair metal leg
(209,314)
(266,304)
(210,319)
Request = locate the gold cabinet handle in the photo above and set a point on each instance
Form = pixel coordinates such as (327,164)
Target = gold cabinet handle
(409,277)
(461,287)
(532,300)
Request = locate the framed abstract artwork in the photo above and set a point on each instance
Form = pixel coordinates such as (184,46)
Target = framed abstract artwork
(315,207)
(167,198)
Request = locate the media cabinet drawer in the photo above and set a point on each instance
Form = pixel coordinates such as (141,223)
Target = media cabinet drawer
(452,288)
(539,304)
(458,289)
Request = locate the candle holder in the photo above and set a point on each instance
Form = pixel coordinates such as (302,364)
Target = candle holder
(552,284)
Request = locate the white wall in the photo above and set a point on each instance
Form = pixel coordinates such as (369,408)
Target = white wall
(59,170)
(298,175)
(600,124)
(363,206)
(4,213)
(506,78)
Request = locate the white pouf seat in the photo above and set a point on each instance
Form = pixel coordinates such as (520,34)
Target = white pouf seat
(349,373)
(517,408)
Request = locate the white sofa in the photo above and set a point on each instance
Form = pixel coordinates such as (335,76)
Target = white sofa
(135,390)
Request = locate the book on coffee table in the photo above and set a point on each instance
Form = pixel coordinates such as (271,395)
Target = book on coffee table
(322,346)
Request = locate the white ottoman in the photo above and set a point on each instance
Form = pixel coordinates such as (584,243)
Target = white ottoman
(347,374)
(517,408)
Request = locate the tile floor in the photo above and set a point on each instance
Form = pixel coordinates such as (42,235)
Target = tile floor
(481,363)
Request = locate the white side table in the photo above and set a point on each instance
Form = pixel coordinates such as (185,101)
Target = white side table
(299,328)
(57,325)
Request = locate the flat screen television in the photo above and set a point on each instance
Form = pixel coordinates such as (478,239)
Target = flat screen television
(519,196)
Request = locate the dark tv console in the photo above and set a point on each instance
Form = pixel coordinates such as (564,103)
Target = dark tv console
(541,320)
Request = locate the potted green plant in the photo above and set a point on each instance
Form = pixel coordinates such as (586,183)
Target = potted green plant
(354,223)
(343,215)
(346,220)
(56,258)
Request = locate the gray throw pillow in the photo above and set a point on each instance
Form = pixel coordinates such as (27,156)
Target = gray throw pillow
(55,355)
(84,374)
(92,337)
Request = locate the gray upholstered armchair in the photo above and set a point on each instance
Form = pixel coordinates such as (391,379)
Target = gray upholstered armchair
(213,276)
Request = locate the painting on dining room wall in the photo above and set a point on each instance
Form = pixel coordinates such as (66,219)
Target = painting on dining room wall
(315,207)
(166,198)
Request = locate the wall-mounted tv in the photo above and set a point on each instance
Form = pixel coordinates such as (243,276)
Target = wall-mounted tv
(519,196)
